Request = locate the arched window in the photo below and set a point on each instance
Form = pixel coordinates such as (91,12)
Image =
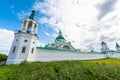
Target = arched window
(23,49)
(25,40)
(14,48)
(33,42)
(16,40)
(66,47)
(32,50)
(24,23)
(29,26)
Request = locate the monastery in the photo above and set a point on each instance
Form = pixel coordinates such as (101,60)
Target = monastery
(24,47)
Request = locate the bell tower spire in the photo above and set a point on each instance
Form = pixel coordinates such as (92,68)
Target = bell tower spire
(32,16)
(60,32)
(30,25)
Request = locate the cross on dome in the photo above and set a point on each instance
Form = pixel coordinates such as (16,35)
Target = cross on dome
(60,32)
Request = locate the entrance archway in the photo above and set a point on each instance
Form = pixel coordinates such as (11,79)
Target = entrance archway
(66,47)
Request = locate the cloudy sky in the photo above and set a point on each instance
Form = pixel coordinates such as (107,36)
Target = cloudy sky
(85,23)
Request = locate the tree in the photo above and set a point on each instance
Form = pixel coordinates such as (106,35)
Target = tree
(3,57)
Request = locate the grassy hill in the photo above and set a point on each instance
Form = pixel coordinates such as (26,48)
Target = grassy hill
(104,69)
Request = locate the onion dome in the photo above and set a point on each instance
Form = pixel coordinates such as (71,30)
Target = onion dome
(60,36)
(103,43)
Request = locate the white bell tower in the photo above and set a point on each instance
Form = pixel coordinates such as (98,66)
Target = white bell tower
(24,43)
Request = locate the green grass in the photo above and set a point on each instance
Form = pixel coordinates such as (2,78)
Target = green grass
(104,69)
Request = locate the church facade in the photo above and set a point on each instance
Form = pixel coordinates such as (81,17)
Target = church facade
(24,47)
(60,43)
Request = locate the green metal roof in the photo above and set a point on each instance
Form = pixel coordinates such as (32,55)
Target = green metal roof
(56,49)
(103,42)
(60,37)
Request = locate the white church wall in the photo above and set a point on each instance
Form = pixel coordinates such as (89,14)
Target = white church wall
(55,55)
(115,55)
(52,55)
(15,59)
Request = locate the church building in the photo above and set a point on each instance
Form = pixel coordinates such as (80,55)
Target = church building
(60,43)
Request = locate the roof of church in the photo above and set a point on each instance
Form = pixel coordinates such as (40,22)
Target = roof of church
(103,42)
(56,49)
(60,37)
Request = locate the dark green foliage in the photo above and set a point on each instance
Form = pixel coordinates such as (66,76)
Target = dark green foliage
(3,57)
(104,69)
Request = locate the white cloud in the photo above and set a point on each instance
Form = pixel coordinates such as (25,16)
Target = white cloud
(6,38)
(78,19)
(46,33)
(106,7)
(39,44)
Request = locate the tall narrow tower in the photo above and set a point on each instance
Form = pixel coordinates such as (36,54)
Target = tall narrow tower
(24,43)
(104,48)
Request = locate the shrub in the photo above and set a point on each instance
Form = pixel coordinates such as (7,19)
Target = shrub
(3,57)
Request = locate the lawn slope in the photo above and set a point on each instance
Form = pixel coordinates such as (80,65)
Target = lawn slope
(104,69)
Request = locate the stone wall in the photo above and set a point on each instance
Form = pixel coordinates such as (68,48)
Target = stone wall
(52,55)
(56,55)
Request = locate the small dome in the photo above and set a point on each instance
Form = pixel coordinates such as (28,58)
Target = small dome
(60,37)
(103,43)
